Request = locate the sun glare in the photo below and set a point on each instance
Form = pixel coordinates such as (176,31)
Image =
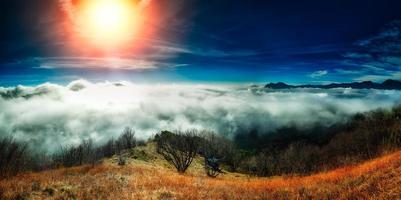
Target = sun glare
(108,16)
(108,22)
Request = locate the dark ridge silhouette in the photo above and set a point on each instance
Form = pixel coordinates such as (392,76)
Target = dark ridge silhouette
(386,85)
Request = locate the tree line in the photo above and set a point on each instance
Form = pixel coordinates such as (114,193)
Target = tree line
(16,157)
(288,150)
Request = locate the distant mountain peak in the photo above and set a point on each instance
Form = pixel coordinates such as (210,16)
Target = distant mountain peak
(388,84)
(278,85)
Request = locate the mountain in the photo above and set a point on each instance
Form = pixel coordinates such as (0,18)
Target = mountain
(386,85)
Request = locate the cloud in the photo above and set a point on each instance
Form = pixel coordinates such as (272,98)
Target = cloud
(357,55)
(347,72)
(51,115)
(395,75)
(204,52)
(318,74)
(222,53)
(377,57)
(387,40)
(100,62)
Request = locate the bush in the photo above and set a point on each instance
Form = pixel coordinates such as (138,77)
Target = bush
(122,160)
(212,167)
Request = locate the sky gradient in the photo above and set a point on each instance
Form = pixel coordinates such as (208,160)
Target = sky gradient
(208,41)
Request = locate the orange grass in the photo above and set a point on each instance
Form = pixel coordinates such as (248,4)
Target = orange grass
(375,179)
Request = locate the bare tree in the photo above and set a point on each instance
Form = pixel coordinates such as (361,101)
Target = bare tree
(220,148)
(108,149)
(84,153)
(127,138)
(14,156)
(213,149)
(179,148)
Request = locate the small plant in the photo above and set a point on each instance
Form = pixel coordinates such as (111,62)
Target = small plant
(50,191)
(165,196)
(212,167)
(122,160)
(35,186)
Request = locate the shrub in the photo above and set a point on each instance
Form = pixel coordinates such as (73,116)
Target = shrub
(122,160)
(212,167)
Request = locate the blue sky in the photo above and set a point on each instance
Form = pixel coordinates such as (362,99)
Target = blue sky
(213,41)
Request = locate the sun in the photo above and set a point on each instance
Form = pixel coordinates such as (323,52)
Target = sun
(108,16)
(108,22)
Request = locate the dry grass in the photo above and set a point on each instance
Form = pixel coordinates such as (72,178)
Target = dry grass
(376,179)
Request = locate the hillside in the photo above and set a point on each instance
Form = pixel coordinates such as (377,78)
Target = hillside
(147,176)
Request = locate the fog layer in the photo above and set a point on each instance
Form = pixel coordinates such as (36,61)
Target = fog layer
(52,115)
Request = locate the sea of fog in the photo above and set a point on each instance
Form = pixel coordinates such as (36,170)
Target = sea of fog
(51,115)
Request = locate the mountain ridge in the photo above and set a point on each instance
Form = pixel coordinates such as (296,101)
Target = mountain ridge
(388,84)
